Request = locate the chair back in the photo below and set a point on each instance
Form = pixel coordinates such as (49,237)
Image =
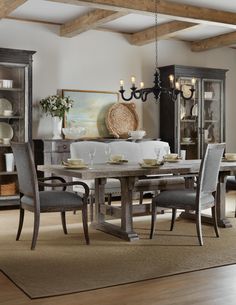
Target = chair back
(209,169)
(25,166)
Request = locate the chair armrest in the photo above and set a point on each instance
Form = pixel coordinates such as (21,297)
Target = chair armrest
(85,186)
(62,180)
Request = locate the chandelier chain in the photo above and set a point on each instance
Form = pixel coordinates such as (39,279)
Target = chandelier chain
(156,25)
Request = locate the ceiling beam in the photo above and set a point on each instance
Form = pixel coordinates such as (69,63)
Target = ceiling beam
(163,31)
(88,21)
(214,42)
(8,6)
(181,11)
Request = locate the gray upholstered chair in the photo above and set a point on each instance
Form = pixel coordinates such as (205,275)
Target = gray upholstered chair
(231,186)
(194,200)
(36,201)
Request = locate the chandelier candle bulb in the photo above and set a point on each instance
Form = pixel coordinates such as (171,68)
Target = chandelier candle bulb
(142,85)
(177,86)
(193,82)
(171,78)
(133,80)
(121,84)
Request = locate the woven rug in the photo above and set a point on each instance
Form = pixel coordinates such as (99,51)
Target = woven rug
(65,264)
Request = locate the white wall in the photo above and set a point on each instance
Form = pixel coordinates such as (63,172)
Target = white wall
(91,61)
(96,60)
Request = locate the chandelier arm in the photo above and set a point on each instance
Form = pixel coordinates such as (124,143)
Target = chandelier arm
(125,98)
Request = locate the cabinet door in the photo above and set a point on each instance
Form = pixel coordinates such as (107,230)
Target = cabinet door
(189,119)
(212,112)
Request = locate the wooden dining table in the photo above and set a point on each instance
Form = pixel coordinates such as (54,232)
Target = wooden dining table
(129,174)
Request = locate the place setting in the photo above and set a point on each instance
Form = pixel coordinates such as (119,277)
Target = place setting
(150,163)
(172,158)
(117,159)
(229,157)
(75,164)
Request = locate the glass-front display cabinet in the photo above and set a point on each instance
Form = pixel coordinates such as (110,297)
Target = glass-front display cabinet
(15,116)
(190,124)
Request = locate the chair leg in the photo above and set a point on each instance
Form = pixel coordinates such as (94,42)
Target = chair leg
(63,221)
(173,219)
(21,221)
(91,199)
(235,212)
(109,198)
(214,217)
(140,197)
(199,228)
(36,230)
(153,220)
(85,222)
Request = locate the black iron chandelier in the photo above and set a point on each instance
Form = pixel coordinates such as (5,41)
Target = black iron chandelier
(142,93)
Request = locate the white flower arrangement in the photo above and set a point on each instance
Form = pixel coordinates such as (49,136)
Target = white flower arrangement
(55,105)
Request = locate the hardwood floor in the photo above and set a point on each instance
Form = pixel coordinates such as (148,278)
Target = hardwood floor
(208,287)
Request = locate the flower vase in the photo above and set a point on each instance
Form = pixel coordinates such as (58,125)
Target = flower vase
(56,127)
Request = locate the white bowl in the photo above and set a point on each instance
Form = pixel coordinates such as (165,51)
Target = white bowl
(137,134)
(186,140)
(230,156)
(73,132)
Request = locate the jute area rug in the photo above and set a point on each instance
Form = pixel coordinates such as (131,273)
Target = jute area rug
(65,264)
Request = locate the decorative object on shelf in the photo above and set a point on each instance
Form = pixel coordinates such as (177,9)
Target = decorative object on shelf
(194,110)
(10,163)
(121,119)
(6,83)
(6,131)
(56,127)
(56,106)
(4,105)
(89,111)
(173,91)
(136,134)
(74,132)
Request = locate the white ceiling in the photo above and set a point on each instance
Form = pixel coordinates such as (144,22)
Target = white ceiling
(59,13)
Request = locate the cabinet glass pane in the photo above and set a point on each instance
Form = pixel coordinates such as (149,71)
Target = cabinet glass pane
(212,92)
(189,119)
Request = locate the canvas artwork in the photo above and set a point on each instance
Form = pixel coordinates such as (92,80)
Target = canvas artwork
(89,111)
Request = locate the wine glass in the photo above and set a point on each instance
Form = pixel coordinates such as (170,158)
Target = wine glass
(108,151)
(157,151)
(92,152)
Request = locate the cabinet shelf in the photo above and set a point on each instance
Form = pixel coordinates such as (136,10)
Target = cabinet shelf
(14,117)
(4,173)
(188,121)
(12,89)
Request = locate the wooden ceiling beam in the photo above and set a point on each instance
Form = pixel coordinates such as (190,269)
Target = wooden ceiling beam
(181,11)
(214,42)
(88,21)
(8,6)
(163,31)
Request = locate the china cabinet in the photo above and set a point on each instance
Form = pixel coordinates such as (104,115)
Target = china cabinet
(190,124)
(15,115)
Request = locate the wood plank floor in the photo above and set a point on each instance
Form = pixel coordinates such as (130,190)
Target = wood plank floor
(208,287)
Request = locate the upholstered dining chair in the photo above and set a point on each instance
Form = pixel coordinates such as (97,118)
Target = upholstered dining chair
(33,200)
(194,200)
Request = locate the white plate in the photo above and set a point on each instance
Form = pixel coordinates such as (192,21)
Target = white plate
(171,160)
(6,131)
(117,162)
(194,110)
(4,105)
(84,166)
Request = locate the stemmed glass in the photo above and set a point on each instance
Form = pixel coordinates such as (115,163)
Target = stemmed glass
(108,151)
(157,152)
(92,152)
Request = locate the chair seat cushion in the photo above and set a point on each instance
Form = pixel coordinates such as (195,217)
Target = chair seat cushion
(55,201)
(182,199)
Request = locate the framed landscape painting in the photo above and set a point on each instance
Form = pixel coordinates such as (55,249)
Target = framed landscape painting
(89,110)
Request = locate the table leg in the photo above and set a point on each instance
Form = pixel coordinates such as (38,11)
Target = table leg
(125,231)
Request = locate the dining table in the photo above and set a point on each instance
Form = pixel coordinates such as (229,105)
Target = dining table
(128,174)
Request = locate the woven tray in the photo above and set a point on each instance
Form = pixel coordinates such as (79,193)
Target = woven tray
(122,118)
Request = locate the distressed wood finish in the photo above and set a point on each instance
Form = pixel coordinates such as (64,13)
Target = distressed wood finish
(180,11)
(8,6)
(127,174)
(214,42)
(163,31)
(87,22)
